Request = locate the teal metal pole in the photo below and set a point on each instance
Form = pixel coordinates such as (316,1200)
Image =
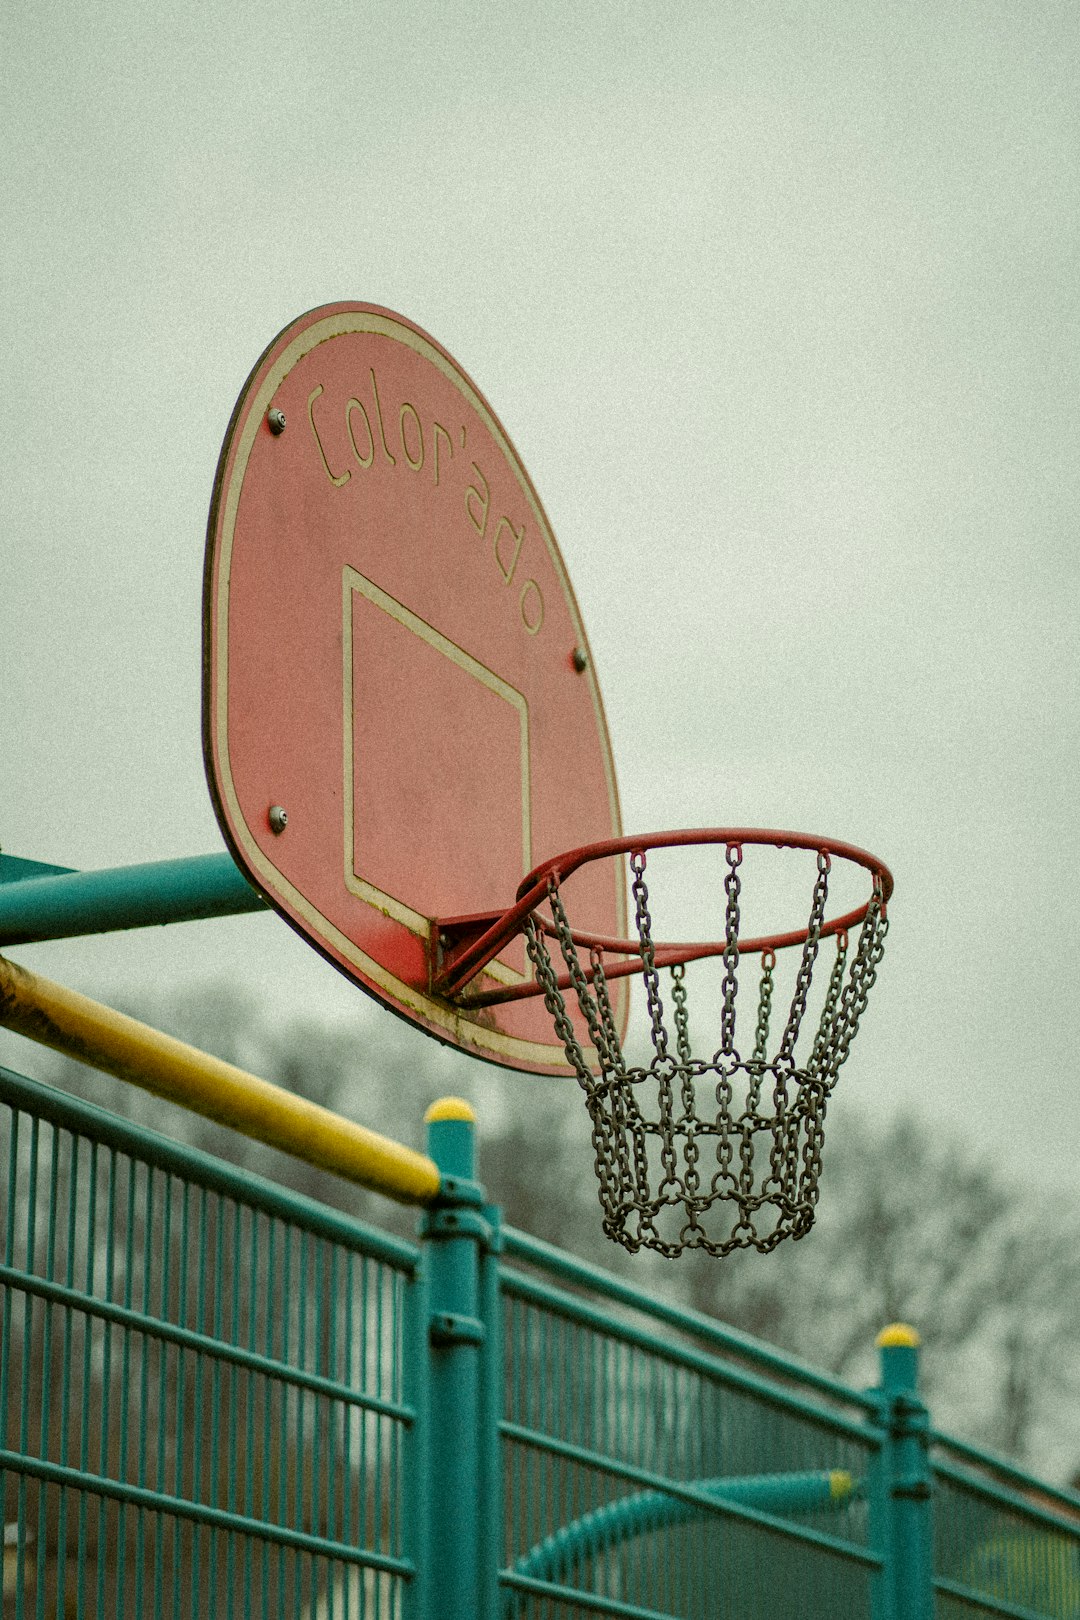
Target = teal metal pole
(906,1476)
(455,1232)
(60,907)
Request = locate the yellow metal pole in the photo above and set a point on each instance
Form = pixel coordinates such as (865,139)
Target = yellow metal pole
(108,1040)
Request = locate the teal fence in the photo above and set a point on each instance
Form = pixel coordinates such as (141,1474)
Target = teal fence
(223,1399)
(1003,1543)
(203,1380)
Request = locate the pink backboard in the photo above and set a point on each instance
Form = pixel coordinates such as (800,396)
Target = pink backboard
(393,656)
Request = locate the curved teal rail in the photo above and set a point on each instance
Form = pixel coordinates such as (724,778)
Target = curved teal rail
(645,1511)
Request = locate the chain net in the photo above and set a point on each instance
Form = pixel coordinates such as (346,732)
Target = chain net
(721,1152)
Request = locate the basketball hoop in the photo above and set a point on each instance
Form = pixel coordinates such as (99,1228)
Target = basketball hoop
(720,1151)
(346,797)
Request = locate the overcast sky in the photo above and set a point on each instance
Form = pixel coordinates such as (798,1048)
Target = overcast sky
(779,304)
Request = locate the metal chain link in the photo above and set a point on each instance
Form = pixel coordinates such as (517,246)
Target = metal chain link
(808,959)
(607,1170)
(546,977)
(647,1123)
(607,1012)
(779,1177)
(730,985)
(863,974)
(608,1055)
(832,997)
(853,1001)
(764,1012)
(649,975)
(689,1121)
(682,1020)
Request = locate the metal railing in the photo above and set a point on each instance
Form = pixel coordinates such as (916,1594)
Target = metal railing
(651,1472)
(122,1046)
(209,1406)
(222,1398)
(1004,1543)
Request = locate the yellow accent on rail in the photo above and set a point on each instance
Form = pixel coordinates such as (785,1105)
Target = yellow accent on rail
(108,1040)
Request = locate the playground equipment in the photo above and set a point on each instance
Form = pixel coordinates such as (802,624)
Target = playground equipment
(216,1394)
(402,729)
(220,1396)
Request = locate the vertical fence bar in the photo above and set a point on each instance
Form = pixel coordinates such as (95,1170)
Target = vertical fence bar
(417,1493)
(906,1477)
(455,1233)
(489,1439)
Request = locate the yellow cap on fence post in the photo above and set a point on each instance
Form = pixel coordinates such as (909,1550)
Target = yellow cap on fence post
(898,1333)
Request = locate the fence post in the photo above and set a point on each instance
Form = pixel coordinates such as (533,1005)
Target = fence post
(460,1583)
(906,1477)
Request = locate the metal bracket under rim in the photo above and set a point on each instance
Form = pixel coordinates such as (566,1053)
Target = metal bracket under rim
(451,938)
